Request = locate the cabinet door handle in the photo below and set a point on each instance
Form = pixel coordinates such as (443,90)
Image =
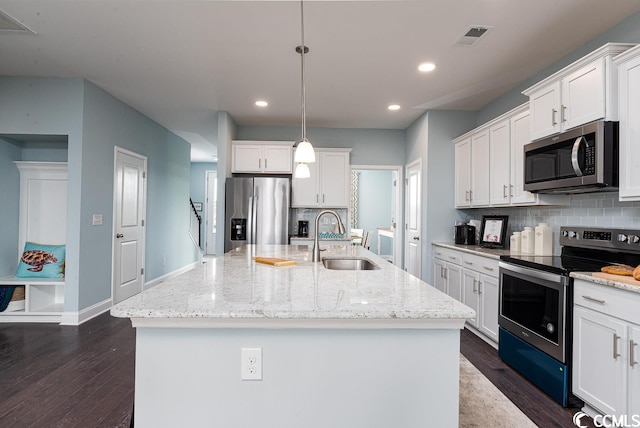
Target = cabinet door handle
(632,358)
(469,263)
(504,191)
(475,285)
(466,195)
(511,190)
(317,198)
(488,268)
(615,346)
(452,257)
(563,116)
(446,273)
(323,198)
(479,287)
(470,195)
(265,164)
(553,117)
(259,163)
(592,299)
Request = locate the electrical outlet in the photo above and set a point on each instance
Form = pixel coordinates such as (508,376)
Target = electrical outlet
(251,364)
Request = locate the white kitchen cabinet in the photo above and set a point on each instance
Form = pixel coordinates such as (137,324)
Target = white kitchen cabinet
(447,272)
(262,157)
(462,173)
(629,111)
(580,93)
(472,170)
(606,364)
(329,183)
(500,163)
(480,292)
(473,280)
(520,130)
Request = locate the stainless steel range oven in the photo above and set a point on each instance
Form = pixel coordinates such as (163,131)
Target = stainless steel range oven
(536,303)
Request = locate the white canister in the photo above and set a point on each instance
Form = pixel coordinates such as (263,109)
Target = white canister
(528,245)
(544,240)
(516,242)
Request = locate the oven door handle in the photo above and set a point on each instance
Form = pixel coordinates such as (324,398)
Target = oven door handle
(537,274)
(575,162)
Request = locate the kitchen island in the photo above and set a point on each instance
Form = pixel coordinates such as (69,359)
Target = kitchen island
(340,348)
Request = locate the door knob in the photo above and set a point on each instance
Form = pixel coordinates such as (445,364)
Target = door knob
(416,238)
(119,235)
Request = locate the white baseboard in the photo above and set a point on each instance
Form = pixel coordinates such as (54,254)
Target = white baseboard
(170,275)
(77,318)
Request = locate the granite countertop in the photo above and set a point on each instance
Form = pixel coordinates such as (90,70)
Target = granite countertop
(235,287)
(587,276)
(493,253)
(310,238)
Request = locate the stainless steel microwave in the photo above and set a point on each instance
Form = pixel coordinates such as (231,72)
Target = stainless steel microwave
(581,160)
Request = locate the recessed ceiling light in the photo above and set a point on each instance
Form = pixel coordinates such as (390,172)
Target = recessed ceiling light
(262,103)
(427,66)
(394,107)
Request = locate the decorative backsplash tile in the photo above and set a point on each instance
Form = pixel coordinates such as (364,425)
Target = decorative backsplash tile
(328,223)
(593,209)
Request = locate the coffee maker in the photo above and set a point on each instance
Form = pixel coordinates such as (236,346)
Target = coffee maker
(303,228)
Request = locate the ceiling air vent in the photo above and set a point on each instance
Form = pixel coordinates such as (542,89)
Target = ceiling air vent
(11,25)
(472,35)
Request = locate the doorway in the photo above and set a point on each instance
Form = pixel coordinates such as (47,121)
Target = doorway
(129,208)
(211,218)
(376,207)
(413,195)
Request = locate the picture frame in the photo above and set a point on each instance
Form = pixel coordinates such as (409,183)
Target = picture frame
(493,231)
(197,206)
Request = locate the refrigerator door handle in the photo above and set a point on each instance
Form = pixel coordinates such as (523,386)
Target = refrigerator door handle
(250,221)
(254,220)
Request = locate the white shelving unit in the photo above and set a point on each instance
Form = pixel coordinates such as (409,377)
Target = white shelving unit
(44,300)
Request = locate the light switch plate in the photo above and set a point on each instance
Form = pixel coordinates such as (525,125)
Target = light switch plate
(97,219)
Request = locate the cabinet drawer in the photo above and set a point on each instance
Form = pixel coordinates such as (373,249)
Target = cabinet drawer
(608,300)
(447,255)
(481,264)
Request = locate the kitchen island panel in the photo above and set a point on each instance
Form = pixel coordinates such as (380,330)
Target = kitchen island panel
(311,378)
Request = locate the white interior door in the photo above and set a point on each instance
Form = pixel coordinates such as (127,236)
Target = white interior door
(129,213)
(413,249)
(210,214)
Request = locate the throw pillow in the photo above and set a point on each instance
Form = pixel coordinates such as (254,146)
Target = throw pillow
(41,261)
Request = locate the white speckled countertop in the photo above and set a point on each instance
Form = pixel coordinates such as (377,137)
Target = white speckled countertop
(587,276)
(234,287)
(493,253)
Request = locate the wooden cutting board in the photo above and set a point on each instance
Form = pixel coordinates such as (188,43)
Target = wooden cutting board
(274,261)
(619,278)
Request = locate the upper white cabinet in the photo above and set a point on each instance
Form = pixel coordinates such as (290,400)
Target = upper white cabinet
(472,170)
(262,157)
(489,165)
(629,111)
(329,183)
(580,93)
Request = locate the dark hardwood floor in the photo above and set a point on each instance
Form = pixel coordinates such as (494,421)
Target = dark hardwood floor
(534,403)
(63,376)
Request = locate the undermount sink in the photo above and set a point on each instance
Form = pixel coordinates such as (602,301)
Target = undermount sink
(349,264)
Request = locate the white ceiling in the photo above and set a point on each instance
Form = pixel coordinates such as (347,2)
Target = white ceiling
(180,61)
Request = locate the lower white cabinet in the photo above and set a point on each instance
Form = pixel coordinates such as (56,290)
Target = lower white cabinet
(606,354)
(473,280)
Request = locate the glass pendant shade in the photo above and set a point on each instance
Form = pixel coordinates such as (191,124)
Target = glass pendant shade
(302,171)
(305,152)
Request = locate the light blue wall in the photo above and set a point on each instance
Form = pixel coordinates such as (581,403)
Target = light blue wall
(429,139)
(51,106)
(108,122)
(375,204)
(44,151)
(95,122)
(370,146)
(10,151)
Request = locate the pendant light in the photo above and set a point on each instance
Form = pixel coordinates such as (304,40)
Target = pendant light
(304,150)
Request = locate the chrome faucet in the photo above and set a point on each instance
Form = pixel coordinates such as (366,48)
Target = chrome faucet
(316,245)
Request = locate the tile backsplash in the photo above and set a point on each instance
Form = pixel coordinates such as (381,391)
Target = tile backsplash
(592,209)
(328,223)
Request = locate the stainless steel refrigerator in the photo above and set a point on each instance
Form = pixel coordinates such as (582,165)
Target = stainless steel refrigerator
(256,211)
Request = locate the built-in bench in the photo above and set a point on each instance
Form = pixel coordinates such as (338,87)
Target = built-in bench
(44,300)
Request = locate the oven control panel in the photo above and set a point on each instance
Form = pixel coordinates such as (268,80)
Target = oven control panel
(593,237)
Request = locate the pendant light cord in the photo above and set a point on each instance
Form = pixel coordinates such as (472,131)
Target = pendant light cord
(302,52)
